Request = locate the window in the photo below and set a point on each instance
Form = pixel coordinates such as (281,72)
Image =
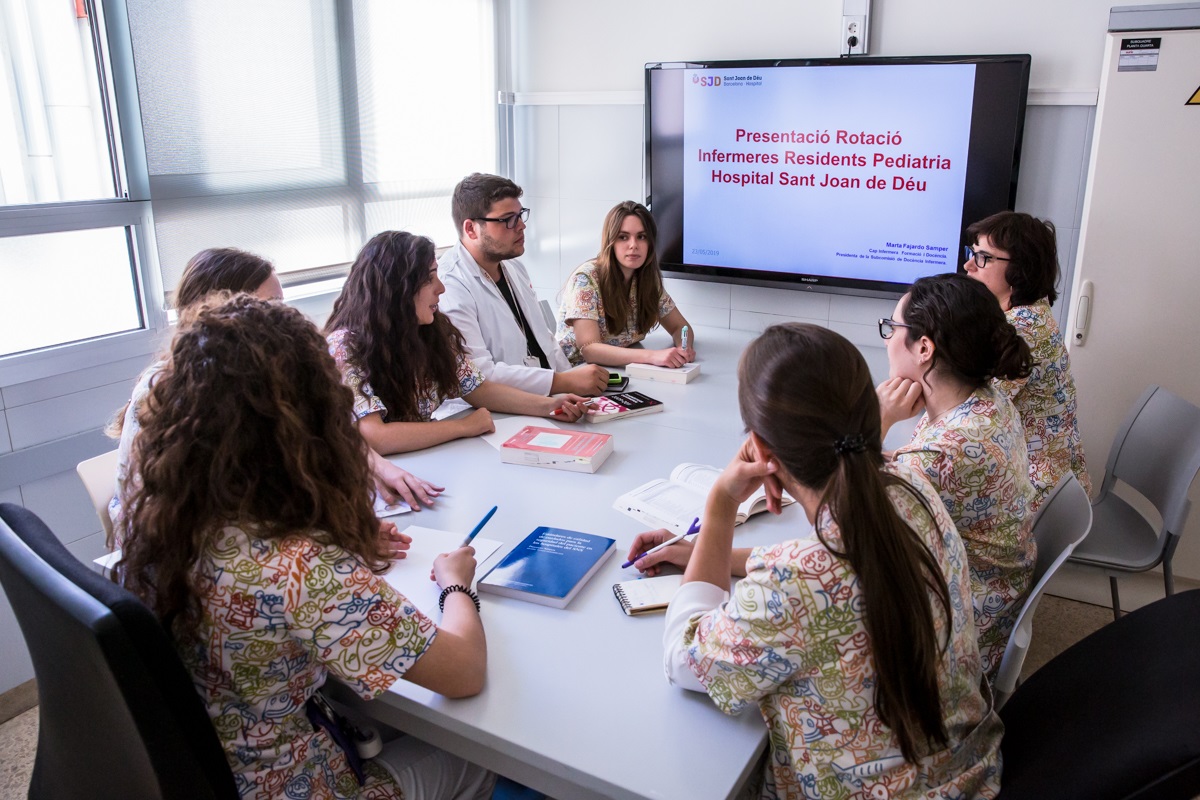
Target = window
(68,232)
(297,129)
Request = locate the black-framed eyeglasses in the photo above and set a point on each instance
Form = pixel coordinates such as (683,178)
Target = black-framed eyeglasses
(887,327)
(981,259)
(509,220)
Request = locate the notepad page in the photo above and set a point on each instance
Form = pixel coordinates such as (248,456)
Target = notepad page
(650,592)
(410,575)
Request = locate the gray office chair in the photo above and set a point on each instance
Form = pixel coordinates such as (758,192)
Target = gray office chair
(1157,453)
(118,716)
(548,314)
(1061,524)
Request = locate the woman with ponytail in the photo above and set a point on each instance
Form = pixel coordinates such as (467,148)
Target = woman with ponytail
(856,641)
(1016,257)
(946,342)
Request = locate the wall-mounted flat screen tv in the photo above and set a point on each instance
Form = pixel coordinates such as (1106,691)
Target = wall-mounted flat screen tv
(844,175)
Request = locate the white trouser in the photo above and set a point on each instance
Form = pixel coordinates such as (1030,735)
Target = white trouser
(425,772)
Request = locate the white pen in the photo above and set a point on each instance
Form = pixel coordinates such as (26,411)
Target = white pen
(683,338)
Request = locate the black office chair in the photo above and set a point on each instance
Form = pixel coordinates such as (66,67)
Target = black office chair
(118,714)
(1114,716)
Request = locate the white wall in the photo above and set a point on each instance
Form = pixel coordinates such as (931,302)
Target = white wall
(577,82)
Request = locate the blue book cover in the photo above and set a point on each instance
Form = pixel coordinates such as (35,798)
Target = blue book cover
(549,566)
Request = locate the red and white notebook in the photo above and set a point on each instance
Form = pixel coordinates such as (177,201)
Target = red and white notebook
(616,406)
(557,448)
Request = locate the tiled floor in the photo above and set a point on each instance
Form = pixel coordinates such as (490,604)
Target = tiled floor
(1058,624)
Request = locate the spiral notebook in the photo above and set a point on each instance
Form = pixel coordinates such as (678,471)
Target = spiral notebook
(646,594)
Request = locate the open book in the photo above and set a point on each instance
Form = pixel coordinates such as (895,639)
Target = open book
(674,503)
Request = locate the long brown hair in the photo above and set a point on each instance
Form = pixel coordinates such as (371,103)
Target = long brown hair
(248,424)
(807,393)
(215,269)
(401,359)
(647,280)
(220,269)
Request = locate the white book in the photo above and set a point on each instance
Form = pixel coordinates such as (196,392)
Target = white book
(673,503)
(651,372)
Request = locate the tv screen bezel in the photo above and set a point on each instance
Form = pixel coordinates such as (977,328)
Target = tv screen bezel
(983,125)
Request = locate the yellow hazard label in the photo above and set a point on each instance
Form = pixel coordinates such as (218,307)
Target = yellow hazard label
(1195,98)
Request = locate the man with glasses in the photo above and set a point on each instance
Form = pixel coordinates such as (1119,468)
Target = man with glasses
(490,298)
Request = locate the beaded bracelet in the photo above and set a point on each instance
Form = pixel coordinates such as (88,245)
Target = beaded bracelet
(457,587)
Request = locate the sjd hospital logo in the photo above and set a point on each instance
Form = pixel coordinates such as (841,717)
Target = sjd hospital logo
(707,80)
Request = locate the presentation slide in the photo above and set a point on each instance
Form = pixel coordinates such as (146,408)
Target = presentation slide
(827,171)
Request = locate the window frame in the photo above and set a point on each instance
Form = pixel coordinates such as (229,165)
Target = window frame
(132,211)
(135,209)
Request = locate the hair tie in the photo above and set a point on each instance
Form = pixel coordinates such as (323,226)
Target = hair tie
(851,443)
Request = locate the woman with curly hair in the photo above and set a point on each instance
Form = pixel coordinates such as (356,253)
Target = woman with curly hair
(251,535)
(614,300)
(946,342)
(229,270)
(402,357)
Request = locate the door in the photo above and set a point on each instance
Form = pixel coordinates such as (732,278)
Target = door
(1140,243)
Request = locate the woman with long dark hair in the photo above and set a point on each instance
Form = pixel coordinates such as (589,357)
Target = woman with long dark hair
(856,641)
(402,357)
(614,300)
(252,536)
(946,342)
(1015,256)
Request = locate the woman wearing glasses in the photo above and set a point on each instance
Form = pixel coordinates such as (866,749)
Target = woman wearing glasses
(1016,259)
(614,300)
(947,340)
(402,357)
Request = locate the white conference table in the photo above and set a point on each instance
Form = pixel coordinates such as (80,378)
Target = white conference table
(576,704)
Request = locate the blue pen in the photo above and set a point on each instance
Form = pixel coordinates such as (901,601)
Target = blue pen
(478,527)
(695,528)
(683,337)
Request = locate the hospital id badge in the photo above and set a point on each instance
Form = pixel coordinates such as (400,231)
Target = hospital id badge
(533,361)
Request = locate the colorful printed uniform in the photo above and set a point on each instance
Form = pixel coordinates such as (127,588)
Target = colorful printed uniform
(582,300)
(976,458)
(792,640)
(365,401)
(1046,402)
(129,429)
(278,617)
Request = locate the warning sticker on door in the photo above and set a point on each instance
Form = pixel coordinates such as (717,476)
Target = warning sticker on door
(1139,55)
(1195,98)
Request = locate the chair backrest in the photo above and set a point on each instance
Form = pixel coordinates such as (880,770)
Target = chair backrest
(548,314)
(1157,452)
(99,476)
(119,716)
(1061,524)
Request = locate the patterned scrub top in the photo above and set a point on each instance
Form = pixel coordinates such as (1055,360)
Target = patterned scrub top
(278,617)
(1046,402)
(976,458)
(582,300)
(129,430)
(365,401)
(791,639)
